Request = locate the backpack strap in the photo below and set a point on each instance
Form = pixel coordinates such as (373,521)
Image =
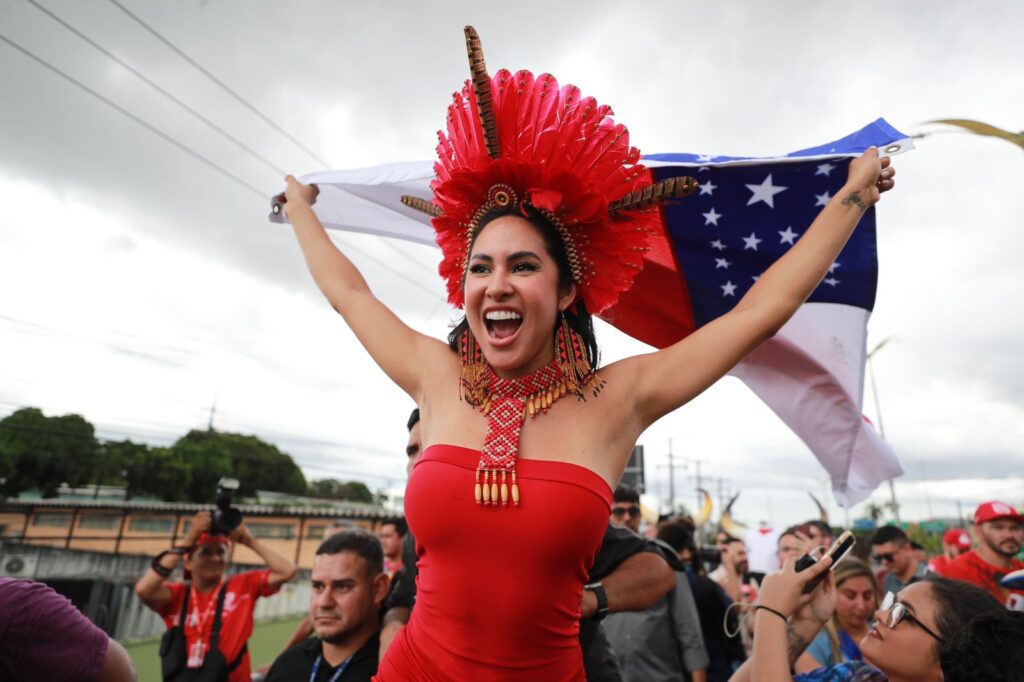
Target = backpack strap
(238,659)
(184,606)
(215,634)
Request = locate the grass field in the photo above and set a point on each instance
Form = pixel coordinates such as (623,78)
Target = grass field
(264,645)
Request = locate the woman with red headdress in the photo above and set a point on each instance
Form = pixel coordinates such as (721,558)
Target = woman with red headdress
(543,214)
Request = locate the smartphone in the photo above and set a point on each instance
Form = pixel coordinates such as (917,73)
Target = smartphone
(839,549)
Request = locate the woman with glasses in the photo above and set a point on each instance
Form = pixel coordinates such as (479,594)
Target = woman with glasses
(936,629)
(857,599)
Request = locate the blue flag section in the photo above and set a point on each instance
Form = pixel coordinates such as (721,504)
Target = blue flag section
(744,217)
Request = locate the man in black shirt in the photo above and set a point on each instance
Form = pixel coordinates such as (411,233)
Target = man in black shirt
(349,586)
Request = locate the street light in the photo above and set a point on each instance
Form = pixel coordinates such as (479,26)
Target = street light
(881,427)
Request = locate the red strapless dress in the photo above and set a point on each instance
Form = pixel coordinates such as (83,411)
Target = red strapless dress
(499,588)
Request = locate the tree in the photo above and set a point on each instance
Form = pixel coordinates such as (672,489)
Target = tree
(258,465)
(333,489)
(43,452)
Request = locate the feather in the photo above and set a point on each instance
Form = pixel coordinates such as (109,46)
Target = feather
(422,205)
(659,192)
(482,89)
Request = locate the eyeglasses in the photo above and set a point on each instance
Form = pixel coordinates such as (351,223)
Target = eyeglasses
(899,612)
(619,512)
(884,558)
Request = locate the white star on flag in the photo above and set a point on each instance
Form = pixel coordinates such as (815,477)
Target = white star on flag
(825,169)
(707,188)
(832,268)
(822,199)
(711,217)
(765,192)
(717,244)
(832,281)
(722,263)
(751,242)
(704,158)
(788,236)
(728,289)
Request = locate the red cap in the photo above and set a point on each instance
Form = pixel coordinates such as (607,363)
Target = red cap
(990,511)
(957,537)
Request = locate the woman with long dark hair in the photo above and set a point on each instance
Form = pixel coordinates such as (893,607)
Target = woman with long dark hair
(543,214)
(933,630)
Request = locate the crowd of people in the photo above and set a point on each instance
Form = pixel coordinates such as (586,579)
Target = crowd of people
(522,560)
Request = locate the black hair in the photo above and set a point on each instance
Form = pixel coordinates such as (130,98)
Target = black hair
(822,527)
(414,419)
(626,493)
(359,542)
(916,545)
(577,316)
(981,638)
(730,541)
(889,534)
(677,533)
(401,527)
(792,530)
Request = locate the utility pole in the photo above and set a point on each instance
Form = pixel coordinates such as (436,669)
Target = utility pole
(881,427)
(671,480)
(213,411)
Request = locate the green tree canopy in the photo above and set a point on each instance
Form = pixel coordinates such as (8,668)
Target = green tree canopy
(258,465)
(333,489)
(43,452)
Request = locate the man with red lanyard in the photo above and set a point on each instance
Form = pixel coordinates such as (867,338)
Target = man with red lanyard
(1000,531)
(206,559)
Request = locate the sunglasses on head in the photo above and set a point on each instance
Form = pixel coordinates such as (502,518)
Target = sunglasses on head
(622,511)
(898,612)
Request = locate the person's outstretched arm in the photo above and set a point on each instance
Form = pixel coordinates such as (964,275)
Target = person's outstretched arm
(788,622)
(399,350)
(281,570)
(705,356)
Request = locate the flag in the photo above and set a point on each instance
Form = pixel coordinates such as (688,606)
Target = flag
(747,212)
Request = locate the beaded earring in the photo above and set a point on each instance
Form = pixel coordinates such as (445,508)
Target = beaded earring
(571,357)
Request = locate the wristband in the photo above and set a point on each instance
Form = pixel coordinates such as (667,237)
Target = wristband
(602,600)
(771,610)
(159,568)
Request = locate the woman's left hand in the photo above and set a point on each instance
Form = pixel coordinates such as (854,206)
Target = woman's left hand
(783,591)
(871,175)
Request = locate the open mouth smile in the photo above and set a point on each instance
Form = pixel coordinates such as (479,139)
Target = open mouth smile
(502,325)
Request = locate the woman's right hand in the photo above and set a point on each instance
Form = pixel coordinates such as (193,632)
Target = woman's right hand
(298,194)
(783,591)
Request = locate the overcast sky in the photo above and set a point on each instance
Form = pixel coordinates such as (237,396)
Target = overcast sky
(139,286)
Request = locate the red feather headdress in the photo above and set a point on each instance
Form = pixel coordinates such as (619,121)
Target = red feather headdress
(515,139)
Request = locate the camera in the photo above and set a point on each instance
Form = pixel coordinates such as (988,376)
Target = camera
(225,517)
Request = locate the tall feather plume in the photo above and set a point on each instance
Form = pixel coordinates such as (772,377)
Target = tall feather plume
(422,205)
(482,89)
(672,188)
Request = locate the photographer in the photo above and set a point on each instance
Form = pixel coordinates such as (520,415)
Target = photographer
(209,600)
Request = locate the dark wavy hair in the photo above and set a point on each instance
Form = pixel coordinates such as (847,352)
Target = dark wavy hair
(982,640)
(577,316)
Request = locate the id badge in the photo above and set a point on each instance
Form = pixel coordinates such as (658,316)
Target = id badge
(196,653)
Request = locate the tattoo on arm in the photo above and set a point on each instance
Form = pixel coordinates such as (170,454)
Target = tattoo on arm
(855,200)
(796,643)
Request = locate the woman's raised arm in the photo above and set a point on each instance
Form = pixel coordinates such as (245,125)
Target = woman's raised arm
(672,376)
(399,350)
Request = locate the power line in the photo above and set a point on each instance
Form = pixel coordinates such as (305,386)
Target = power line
(138,74)
(194,154)
(241,100)
(148,126)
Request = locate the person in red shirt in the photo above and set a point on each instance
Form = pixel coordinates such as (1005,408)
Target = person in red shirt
(955,541)
(1000,530)
(206,559)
